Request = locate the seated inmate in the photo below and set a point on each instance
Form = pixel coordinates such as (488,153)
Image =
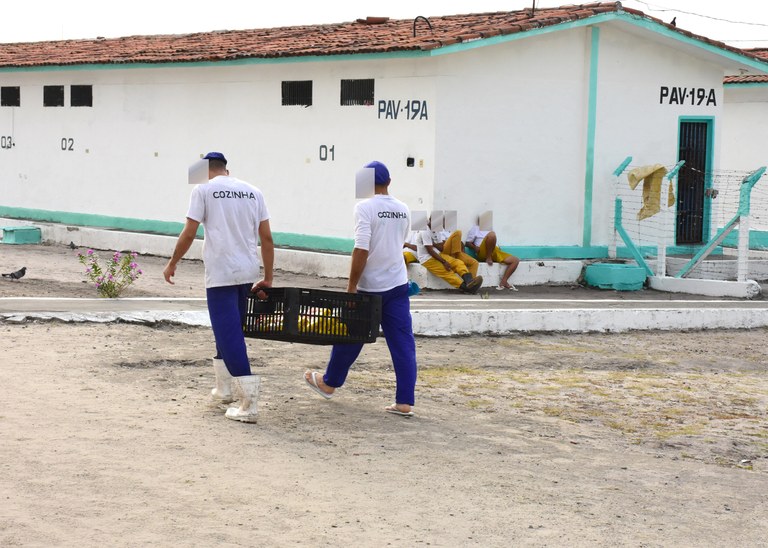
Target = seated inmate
(483,242)
(453,246)
(444,266)
(409,247)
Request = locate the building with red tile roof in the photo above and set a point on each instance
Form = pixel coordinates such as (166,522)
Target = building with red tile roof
(524,113)
(745,130)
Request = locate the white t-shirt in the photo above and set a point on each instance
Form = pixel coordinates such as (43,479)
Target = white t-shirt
(381,226)
(440,236)
(231,211)
(426,237)
(475,235)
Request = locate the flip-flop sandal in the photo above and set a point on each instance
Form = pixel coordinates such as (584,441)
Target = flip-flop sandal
(395,411)
(313,385)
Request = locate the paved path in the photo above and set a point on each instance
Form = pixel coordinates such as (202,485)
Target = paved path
(439,313)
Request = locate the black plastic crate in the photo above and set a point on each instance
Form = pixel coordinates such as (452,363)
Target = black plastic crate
(313,316)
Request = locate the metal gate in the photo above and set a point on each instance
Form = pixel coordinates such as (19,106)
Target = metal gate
(691,182)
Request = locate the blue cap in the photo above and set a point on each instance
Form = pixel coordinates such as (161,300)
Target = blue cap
(215,156)
(382,173)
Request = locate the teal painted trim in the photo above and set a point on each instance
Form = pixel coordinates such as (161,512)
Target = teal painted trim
(623,16)
(745,192)
(706,228)
(556,252)
(758,239)
(652,252)
(95,221)
(646,251)
(411,54)
(589,170)
(313,243)
(633,249)
(619,170)
(746,85)
(621,277)
(674,171)
(164,228)
(658,28)
(706,250)
(689,250)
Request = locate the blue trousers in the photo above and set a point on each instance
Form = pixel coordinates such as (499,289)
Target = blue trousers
(398,332)
(227,308)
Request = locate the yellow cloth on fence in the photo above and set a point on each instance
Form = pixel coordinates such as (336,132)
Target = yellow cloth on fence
(652,177)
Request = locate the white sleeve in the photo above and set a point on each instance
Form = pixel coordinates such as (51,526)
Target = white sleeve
(196,210)
(472,234)
(362,227)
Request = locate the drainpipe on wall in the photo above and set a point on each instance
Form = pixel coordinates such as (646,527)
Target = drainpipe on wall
(589,166)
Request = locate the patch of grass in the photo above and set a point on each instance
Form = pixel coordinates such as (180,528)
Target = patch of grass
(725,415)
(551,411)
(664,433)
(520,377)
(621,426)
(543,390)
(479,404)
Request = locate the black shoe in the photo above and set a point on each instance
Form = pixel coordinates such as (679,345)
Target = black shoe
(475,285)
(467,278)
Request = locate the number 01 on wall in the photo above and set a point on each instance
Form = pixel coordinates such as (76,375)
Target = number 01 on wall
(327,153)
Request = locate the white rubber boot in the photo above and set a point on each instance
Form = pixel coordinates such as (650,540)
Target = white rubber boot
(248,389)
(222,392)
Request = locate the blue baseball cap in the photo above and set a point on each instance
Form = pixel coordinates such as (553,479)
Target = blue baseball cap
(215,156)
(382,173)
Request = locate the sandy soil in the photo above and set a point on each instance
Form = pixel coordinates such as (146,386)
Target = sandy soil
(109,437)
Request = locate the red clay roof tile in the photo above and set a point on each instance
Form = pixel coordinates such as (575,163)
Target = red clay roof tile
(760,53)
(369,35)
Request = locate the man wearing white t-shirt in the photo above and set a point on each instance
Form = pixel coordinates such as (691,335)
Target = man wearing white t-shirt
(483,243)
(442,265)
(235,219)
(381,226)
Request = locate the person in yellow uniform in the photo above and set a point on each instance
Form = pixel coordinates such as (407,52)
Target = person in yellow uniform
(483,243)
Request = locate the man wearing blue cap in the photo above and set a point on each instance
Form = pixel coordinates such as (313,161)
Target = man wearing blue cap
(381,226)
(235,218)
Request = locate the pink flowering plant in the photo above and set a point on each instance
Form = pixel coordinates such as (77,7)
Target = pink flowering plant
(112,277)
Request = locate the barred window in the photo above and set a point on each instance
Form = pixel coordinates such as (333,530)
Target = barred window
(297,92)
(53,96)
(81,96)
(356,92)
(10,96)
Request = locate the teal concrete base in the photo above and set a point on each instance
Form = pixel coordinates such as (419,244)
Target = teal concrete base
(621,277)
(21,235)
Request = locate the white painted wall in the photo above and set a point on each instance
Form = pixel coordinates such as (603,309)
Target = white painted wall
(745,134)
(632,120)
(132,149)
(745,124)
(511,135)
(506,130)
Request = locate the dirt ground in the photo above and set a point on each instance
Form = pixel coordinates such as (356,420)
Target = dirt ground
(636,439)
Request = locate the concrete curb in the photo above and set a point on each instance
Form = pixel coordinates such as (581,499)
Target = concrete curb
(446,323)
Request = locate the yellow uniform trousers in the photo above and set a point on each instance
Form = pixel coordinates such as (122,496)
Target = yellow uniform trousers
(454,247)
(498,255)
(453,276)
